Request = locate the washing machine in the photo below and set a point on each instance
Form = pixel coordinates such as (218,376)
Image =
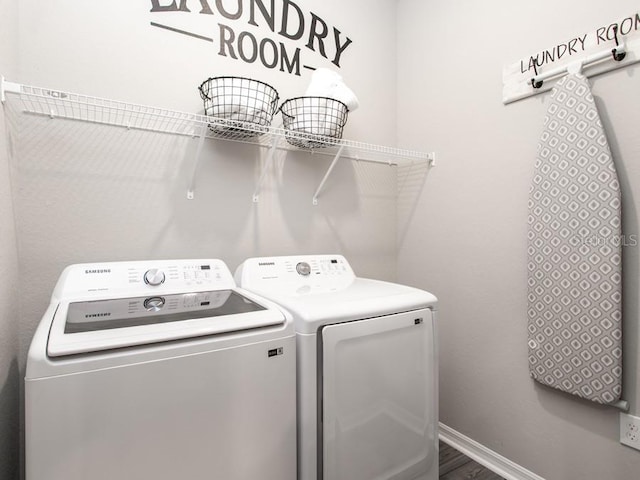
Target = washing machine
(367,368)
(160,370)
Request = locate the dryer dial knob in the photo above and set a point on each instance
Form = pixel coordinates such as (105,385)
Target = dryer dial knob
(154,277)
(153,304)
(303,268)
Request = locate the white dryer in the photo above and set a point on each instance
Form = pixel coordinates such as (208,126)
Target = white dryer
(367,368)
(156,371)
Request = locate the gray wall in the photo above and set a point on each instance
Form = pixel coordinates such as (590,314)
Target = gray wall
(84,192)
(9,377)
(467,242)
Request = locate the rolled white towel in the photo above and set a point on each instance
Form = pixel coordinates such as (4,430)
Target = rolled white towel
(327,83)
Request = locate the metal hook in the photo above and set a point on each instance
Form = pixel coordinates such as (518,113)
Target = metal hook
(617,56)
(534,83)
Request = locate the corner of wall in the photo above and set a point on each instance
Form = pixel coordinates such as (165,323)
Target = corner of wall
(9,354)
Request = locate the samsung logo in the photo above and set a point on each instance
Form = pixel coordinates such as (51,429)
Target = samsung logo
(96,315)
(99,270)
(266,264)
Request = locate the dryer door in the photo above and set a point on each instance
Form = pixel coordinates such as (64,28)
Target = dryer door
(378,415)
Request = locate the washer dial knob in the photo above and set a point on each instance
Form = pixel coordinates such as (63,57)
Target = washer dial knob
(153,304)
(303,268)
(154,277)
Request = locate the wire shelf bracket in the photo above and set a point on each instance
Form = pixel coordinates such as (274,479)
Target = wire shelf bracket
(73,106)
(265,169)
(326,175)
(7,87)
(196,161)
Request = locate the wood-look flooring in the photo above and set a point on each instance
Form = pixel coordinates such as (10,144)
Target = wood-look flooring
(456,466)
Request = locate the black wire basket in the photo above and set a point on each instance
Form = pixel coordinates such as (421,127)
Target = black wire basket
(242,107)
(313,122)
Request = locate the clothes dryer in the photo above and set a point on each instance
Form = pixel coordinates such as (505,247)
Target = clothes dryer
(367,368)
(160,370)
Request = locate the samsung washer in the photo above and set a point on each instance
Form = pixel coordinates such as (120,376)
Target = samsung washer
(367,368)
(160,370)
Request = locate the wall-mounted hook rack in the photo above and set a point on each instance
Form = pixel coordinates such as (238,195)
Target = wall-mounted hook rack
(618,54)
(599,50)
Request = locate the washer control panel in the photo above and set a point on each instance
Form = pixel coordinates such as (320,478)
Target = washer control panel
(319,266)
(147,278)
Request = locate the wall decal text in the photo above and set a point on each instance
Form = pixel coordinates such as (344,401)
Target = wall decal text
(285,19)
(602,35)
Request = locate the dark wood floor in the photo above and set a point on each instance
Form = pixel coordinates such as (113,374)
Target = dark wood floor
(456,466)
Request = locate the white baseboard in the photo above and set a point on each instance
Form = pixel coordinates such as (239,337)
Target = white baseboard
(484,456)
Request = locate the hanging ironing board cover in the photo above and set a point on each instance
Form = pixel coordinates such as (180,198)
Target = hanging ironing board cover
(574,252)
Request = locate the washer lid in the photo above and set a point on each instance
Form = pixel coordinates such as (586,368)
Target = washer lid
(87,326)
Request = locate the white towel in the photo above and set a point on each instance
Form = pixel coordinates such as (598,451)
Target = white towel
(327,83)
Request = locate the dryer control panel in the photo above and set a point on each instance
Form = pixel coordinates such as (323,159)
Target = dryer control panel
(144,277)
(309,272)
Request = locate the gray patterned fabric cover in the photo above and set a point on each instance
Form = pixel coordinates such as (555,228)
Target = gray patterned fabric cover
(574,252)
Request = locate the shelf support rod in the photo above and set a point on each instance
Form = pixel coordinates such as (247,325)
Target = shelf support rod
(265,169)
(203,135)
(326,175)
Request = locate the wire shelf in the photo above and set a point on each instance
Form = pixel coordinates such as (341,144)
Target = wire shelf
(73,106)
(60,104)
